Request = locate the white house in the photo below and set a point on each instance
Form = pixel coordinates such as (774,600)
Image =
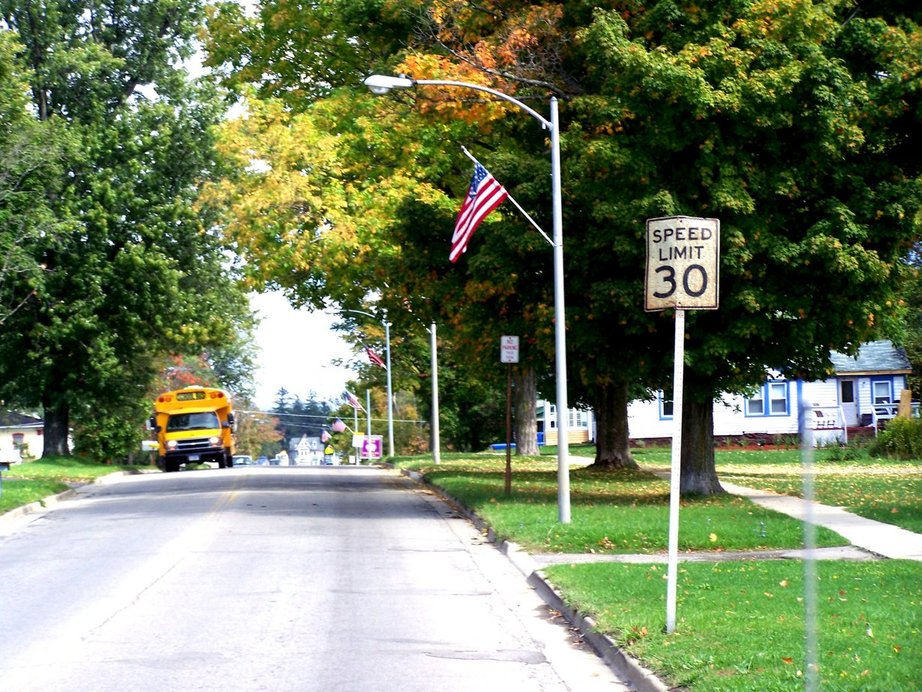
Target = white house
(20,436)
(863,391)
(306,451)
(582,424)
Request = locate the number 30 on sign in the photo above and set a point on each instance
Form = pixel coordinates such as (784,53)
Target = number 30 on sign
(683,254)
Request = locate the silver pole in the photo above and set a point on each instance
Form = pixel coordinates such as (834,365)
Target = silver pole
(811,664)
(368,411)
(678,387)
(560,329)
(390,396)
(436,453)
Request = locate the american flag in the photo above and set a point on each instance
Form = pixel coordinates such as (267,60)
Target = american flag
(483,196)
(353,401)
(375,358)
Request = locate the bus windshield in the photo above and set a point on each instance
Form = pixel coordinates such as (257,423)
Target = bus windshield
(193,421)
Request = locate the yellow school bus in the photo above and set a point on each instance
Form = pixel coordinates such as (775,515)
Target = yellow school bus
(193,425)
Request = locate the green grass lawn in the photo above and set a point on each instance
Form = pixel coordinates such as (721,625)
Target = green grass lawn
(34,481)
(740,624)
(613,512)
(874,488)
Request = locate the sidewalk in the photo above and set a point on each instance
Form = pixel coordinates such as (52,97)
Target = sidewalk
(881,539)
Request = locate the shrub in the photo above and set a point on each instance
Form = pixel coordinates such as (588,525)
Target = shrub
(902,438)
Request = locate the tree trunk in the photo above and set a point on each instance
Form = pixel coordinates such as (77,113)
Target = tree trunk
(699,475)
(612,445)
(524,399)
(57,426)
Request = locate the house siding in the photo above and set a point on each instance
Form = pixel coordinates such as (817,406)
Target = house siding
(879,365)
(732,416)
(32,439)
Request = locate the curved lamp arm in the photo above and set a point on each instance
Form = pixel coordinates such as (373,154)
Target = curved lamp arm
(381,84)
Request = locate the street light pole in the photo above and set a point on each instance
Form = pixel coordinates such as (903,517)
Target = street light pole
(434,367)
(390,394)
(382,84)
(390,404)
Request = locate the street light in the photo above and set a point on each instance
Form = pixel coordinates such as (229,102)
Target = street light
(382,84)
(387,347)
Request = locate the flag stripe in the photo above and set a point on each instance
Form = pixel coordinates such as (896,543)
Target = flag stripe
(375,358)
(483,196)
(354,401)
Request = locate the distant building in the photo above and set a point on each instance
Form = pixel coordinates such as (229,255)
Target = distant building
(863,392)
(305,451)
(21,436)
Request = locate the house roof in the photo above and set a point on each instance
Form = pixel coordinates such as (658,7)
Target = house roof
(11,419)
(874,358)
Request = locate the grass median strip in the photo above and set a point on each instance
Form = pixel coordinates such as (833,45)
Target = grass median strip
(34,481)
(740,623)
(625,511)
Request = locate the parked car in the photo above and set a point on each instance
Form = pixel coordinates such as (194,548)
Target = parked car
(243,460)
(262,460)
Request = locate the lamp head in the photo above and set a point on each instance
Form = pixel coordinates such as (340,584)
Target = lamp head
(381,84)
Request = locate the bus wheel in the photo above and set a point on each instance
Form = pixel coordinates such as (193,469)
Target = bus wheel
(171,465)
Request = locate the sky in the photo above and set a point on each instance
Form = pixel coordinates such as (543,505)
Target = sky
(296,350)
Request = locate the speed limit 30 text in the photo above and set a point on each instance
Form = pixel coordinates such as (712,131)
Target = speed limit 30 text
(693,239)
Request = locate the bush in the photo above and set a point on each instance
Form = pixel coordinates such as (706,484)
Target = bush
(902,438)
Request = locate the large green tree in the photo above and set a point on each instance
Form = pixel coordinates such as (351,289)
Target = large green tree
(792,122)
(137,274)
(31,156)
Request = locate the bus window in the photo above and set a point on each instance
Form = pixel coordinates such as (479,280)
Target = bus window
(193,421)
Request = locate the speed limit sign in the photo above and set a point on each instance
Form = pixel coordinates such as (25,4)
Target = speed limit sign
(683,255)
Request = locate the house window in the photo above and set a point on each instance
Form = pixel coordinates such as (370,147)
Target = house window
(19,439)
(770,400)
(552,415)
(778,398)
(847,391)
(578,419)
(882,392)
(665,404)
(755,406)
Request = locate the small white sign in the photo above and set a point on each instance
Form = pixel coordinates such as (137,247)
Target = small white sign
(509,349)
(683,254)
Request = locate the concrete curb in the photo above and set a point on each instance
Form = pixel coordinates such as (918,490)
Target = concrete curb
(48,503)
(42,505)
(642,679)
(625,666)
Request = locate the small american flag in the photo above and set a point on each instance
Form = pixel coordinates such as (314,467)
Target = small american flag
(375,358)
(353,401)
(483,196)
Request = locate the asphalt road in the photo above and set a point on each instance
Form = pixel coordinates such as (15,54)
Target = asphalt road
(319,578)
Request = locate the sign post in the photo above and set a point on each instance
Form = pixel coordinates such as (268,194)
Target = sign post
(509,354)
(682,273)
